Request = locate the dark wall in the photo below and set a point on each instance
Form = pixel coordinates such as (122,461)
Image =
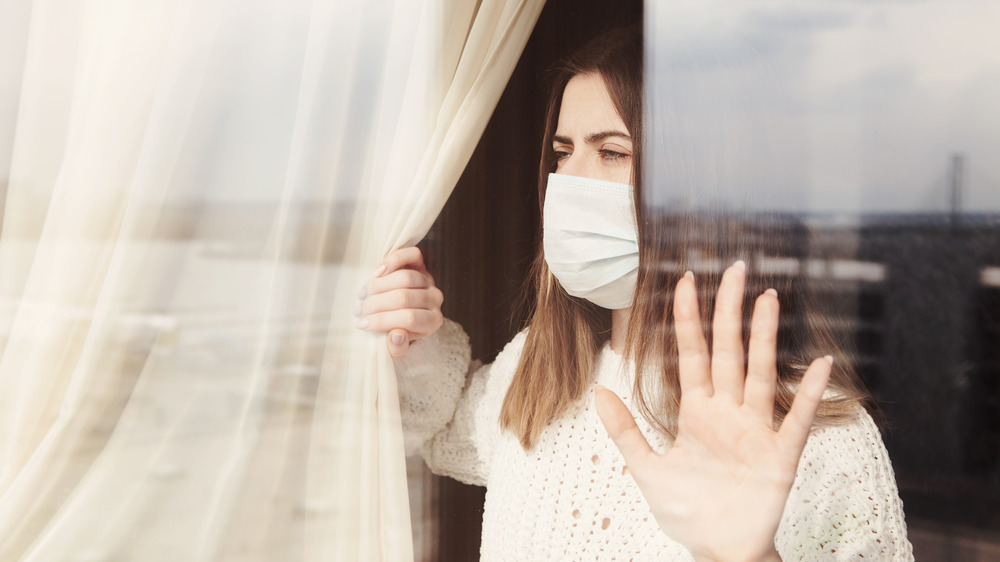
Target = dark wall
(481,246)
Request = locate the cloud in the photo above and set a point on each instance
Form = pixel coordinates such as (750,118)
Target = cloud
(833,106)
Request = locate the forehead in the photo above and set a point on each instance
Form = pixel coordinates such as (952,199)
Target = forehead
(587,107)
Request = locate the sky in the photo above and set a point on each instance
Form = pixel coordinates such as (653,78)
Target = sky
(825,106)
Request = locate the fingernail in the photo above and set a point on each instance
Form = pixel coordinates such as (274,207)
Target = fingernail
(357,311)
(361,293)
(742,265)
(397,338)
(379,270)
(362,324)
(829,359)
(689,274)
(771,292)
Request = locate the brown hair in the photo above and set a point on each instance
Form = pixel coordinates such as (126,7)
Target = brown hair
(566,332)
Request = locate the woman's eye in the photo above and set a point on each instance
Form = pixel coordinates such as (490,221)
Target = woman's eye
(612,155)
(562,154)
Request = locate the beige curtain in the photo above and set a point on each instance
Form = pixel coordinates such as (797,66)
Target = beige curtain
(193,193)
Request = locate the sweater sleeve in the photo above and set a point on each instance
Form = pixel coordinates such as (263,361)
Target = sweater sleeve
(450,408)
(844,504)
(430,378)
(464,448)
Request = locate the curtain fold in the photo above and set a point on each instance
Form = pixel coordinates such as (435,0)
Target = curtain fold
(193,194)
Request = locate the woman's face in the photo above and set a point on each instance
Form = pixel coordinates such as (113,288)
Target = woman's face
(591,140)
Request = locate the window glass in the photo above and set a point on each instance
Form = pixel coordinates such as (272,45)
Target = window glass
(875,126)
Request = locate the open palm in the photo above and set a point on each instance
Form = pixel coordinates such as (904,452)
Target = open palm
(721,488)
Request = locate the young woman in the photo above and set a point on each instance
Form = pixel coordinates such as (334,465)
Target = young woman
(714,455)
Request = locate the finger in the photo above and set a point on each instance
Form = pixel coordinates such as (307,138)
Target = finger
(400,279)
(692,350)
(417,322)
(795,427)
(762,366)
(399,299)
(727,334)
(620,424)
(403,258)
(398,343)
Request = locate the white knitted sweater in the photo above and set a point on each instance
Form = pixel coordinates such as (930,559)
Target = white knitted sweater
(570,497)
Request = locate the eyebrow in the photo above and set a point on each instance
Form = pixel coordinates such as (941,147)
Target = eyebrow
(595,137)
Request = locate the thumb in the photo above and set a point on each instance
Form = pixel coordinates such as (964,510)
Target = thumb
(621,427)
(398,342)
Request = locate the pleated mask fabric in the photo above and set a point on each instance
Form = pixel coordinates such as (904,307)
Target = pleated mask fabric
(590,239)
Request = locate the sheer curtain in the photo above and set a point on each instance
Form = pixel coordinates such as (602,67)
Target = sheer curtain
(193,193)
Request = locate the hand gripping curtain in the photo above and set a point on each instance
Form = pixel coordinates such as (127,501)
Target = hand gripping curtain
(193,192)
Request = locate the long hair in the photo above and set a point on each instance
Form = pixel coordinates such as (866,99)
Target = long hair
(565,333)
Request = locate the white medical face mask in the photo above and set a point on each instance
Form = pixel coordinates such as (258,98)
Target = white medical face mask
(590,239)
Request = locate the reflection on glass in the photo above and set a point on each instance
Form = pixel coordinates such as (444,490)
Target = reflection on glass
(874,125)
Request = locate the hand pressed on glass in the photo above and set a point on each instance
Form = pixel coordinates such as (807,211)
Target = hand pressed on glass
(401,300)
(721,488)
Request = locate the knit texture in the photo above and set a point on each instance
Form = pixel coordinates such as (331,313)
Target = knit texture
(571,497)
